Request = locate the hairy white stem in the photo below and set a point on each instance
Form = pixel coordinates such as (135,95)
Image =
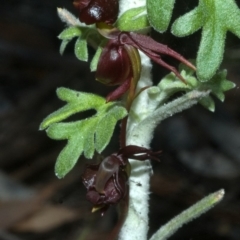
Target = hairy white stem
(145,114)
(136,224)
(142,121)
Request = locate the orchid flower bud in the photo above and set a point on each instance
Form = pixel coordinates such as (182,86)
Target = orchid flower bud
(114,65)
(95,11)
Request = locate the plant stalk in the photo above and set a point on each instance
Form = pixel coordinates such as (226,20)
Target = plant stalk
(136,222)
(138,133)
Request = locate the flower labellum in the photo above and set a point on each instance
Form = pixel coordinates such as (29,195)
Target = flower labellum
(95,11)
(106,183)
(105,187)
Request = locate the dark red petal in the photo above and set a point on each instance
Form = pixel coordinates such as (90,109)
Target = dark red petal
(94,197)
(115,189)
(89,175)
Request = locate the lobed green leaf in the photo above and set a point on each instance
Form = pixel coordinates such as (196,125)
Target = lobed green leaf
(215,18)
(106,126)
(83,136)
(170,85)
(77,102)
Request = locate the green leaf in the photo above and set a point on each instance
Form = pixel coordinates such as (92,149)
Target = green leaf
(63,46)
(94,62)
(160,13)
(83,136)
(77,102)
(219,84)
(67,35)
(106,126)
(84,34)
(196,210)
(81,50)
(170,85)
(215,18)
(133,20)
(208,103)
(70,33)
(188,23)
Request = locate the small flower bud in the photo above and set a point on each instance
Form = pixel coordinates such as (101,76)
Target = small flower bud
(95,11)
(114,65)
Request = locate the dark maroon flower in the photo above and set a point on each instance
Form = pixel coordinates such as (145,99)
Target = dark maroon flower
(103,190)
(106,182)
(117,65)
(114,66)
(95,11)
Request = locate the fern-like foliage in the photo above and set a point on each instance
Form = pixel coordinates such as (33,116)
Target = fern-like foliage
(83,136)
(214,17)
(170,85)
(83,35)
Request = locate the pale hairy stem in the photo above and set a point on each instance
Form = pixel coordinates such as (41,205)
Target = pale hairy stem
(137,223)
(140,133)
(145,114)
